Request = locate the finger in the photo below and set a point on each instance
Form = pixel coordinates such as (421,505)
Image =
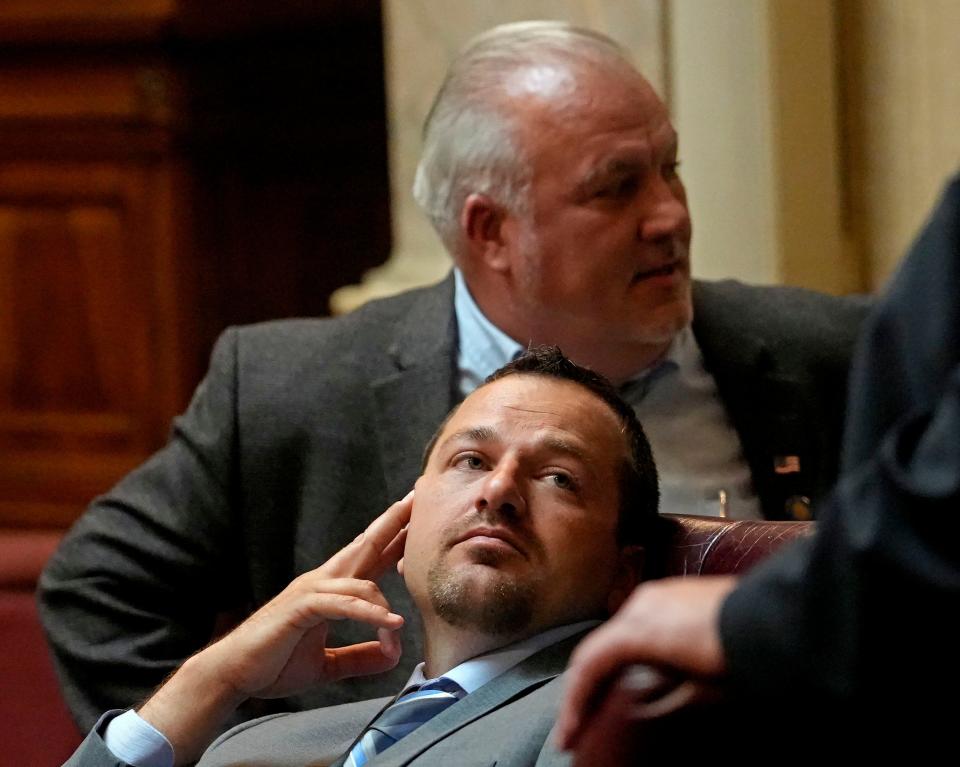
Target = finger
(312,609)
(358,660)
(646,683)
(361,558)
(315,582)
(592,666)
(684,695)
(390,643)
(361,555)
(392,554)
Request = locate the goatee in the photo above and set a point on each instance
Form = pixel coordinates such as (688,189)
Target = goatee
(503,606)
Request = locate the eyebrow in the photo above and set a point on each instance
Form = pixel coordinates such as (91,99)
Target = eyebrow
(473,434)
(611,168)
(487,434)
(622,165)
(562,446)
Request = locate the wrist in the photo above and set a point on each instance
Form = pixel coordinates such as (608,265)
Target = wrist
(191,707)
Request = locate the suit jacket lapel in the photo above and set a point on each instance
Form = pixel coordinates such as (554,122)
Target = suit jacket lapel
(764,401)
(526,676)
(343,757)
(419,390)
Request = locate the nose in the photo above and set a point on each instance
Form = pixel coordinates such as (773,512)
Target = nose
(500,491)
(665,213)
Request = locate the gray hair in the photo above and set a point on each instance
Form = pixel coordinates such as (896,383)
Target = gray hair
(469,138)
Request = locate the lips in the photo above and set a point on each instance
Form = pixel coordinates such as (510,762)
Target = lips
(661,271)
(498,533)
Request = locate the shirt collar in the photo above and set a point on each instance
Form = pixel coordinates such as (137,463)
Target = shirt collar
(676,357)
(476,672)
(482,347)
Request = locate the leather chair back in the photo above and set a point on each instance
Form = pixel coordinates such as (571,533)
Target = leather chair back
(696,546)
(716,546)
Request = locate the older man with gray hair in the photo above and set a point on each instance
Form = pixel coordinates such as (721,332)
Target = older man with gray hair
(550,170)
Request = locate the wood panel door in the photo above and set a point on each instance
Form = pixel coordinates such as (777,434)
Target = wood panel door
(166,169)
(88,370)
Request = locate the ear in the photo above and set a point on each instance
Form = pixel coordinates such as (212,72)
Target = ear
(485,227)
(627,577)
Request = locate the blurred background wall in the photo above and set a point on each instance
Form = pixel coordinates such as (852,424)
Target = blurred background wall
(171,167)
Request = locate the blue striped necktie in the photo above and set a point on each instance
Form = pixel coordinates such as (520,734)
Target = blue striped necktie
(403,716)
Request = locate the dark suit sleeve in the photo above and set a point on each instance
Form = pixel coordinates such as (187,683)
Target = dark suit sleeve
(880,580)
(864,612)
(135,586)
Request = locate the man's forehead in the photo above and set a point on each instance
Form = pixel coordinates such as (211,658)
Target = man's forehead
(556,88)
(546,81)
(609,115)
(533,391)
(560,411)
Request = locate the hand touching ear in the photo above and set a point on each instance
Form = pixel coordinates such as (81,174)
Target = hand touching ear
(282,648)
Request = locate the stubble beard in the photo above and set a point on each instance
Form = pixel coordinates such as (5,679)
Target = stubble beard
(502,607)
(661,330)
(661,323)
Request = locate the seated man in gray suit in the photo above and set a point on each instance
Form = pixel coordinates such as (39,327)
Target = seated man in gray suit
(550,170)
(528,525)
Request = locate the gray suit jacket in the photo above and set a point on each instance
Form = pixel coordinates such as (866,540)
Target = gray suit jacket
(507,722)
(304,430)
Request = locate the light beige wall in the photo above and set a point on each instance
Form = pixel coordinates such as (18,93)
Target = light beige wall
(755,96)
(721,97)
(815,246)
(901,79)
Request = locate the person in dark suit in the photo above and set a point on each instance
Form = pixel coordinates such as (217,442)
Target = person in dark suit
(530,523)
(853,629)
(550,171)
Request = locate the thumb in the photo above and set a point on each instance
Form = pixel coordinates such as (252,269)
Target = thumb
(362,659)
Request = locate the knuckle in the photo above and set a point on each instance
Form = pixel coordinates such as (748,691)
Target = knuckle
(299,579)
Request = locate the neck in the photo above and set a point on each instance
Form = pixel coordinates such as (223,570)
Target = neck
(615,358)
(618,364)
(446,646)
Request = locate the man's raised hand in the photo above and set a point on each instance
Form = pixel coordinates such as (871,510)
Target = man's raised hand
(282,648)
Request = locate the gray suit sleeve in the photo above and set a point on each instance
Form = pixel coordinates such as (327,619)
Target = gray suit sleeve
(135,586)
(93,752)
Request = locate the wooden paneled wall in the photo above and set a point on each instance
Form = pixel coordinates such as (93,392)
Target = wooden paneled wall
(166,169)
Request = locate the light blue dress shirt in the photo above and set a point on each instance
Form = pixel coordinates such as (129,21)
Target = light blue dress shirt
(135,741)
(475,673)
(697,450)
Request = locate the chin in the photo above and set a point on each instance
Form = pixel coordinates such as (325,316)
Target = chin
(666,322)
(481,598)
